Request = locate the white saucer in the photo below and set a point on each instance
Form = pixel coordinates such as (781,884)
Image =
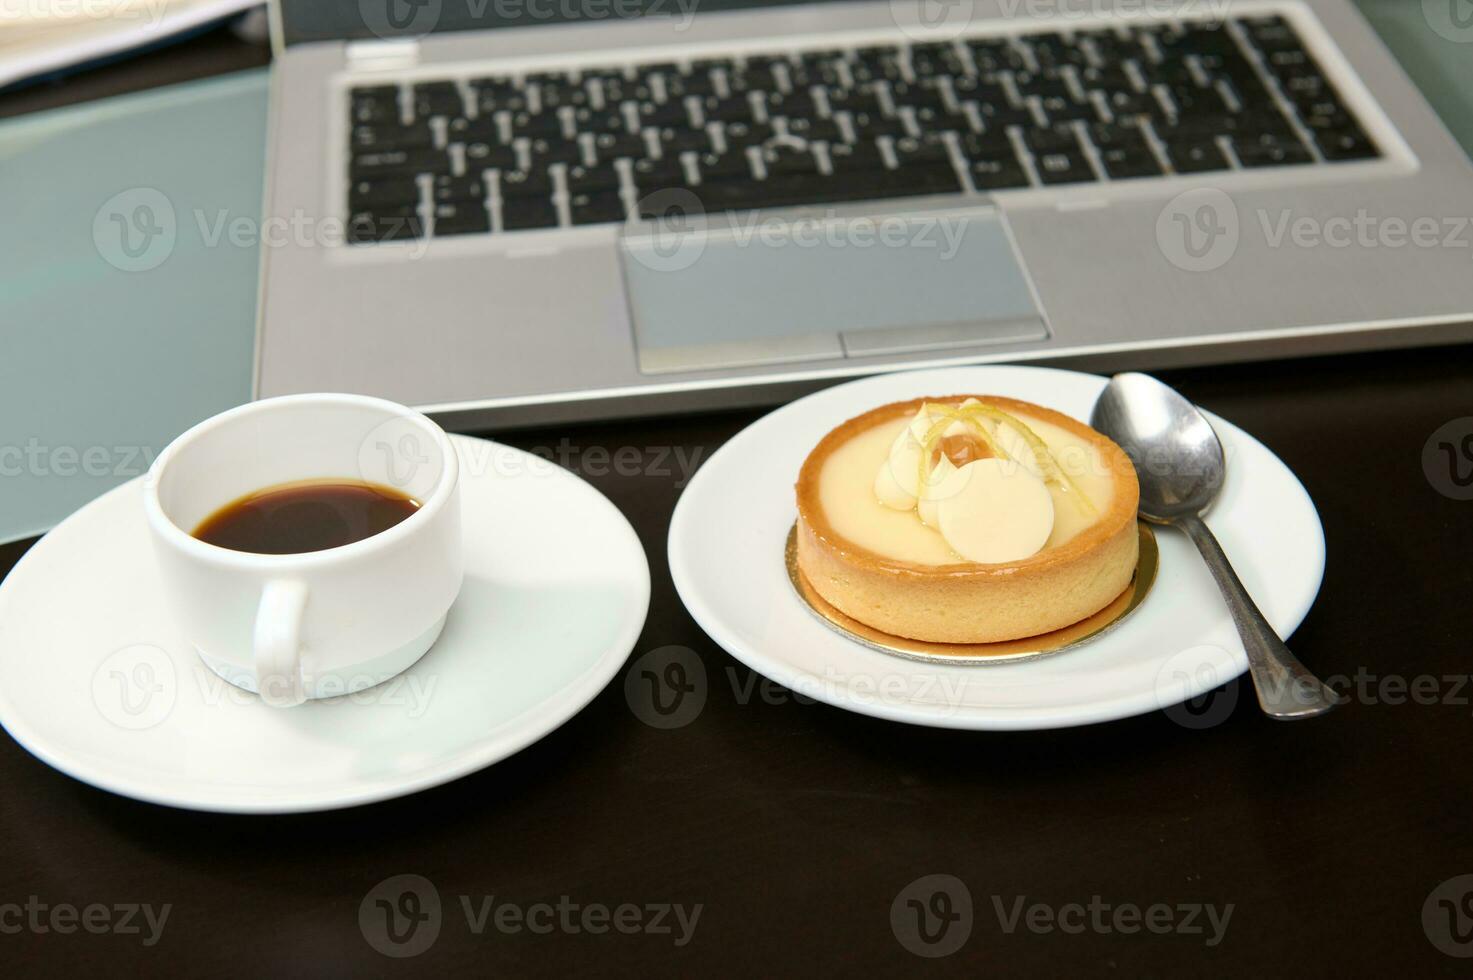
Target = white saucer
(726,557)
(96,681)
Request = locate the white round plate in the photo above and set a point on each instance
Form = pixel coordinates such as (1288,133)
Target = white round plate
(96,680)
(726,557)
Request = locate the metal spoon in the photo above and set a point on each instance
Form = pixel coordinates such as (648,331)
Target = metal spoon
(1180,464)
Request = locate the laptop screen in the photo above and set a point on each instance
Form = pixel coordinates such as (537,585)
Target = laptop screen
(305,21)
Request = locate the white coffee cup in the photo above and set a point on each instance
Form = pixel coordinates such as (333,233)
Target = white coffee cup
(321,623)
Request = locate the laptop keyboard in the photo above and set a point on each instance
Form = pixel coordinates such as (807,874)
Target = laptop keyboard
(502,154)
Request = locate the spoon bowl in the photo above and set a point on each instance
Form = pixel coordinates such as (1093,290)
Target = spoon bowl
(1176,453)
(1180,465)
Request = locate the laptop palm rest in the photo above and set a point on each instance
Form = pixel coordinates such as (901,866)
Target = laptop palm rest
(748,289)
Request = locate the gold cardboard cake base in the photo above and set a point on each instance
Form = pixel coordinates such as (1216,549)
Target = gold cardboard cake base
(1009,651)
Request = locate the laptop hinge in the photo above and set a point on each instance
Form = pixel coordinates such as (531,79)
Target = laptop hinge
(386,53)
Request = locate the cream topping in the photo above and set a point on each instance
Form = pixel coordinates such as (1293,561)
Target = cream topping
(872,492)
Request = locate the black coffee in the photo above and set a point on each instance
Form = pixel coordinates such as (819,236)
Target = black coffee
(297,517)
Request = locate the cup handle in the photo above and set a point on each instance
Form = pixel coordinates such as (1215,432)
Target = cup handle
(278,643)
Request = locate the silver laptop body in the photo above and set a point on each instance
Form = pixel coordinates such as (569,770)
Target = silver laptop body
(682,306)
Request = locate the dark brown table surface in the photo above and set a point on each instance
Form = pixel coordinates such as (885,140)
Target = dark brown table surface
(796,827)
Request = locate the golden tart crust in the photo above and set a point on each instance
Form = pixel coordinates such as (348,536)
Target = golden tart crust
(968,602)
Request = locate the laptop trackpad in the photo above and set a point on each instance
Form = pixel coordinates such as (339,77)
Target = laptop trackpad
(777,287)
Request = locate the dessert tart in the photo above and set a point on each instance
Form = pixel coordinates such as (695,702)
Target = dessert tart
(967,519)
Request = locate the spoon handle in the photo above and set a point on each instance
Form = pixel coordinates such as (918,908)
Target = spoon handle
(1286,689)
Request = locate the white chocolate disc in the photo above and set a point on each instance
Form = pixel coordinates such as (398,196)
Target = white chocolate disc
(1000,513)
(945,480)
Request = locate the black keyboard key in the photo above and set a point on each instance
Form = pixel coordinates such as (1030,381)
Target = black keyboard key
(375,105)
(790,104)
(650,175)
(930,119)
(816,130)
(658,114)
(1193,156)
(461,218)
(391,135)
(596,208)
(673,142)
(854,100)
(846,157)
(1345,144)
(364,195)
(787,161)
(1121,163)
(872,126)
(1126,104)
(446,189)
(600,121)
(482,129)
(583,180)
(437,99)
(1270,149)
(489,101)
(1192,101)
(543,125)
(758,76)
(555,95)
(396,161)
(484,156)
(996,173)
(1055,139)
(384,225)
(734,109)
(747,134)
(877,64)
(611,146)
(1043,86)
(547,151)
(699,83)
(996,116)
(1062,109)
(994,56)
(920,150)
(524,213)
(725,166)
(525,183)
(915,95)
(1062,167)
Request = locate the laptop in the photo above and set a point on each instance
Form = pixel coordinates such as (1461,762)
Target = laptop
(511,212)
